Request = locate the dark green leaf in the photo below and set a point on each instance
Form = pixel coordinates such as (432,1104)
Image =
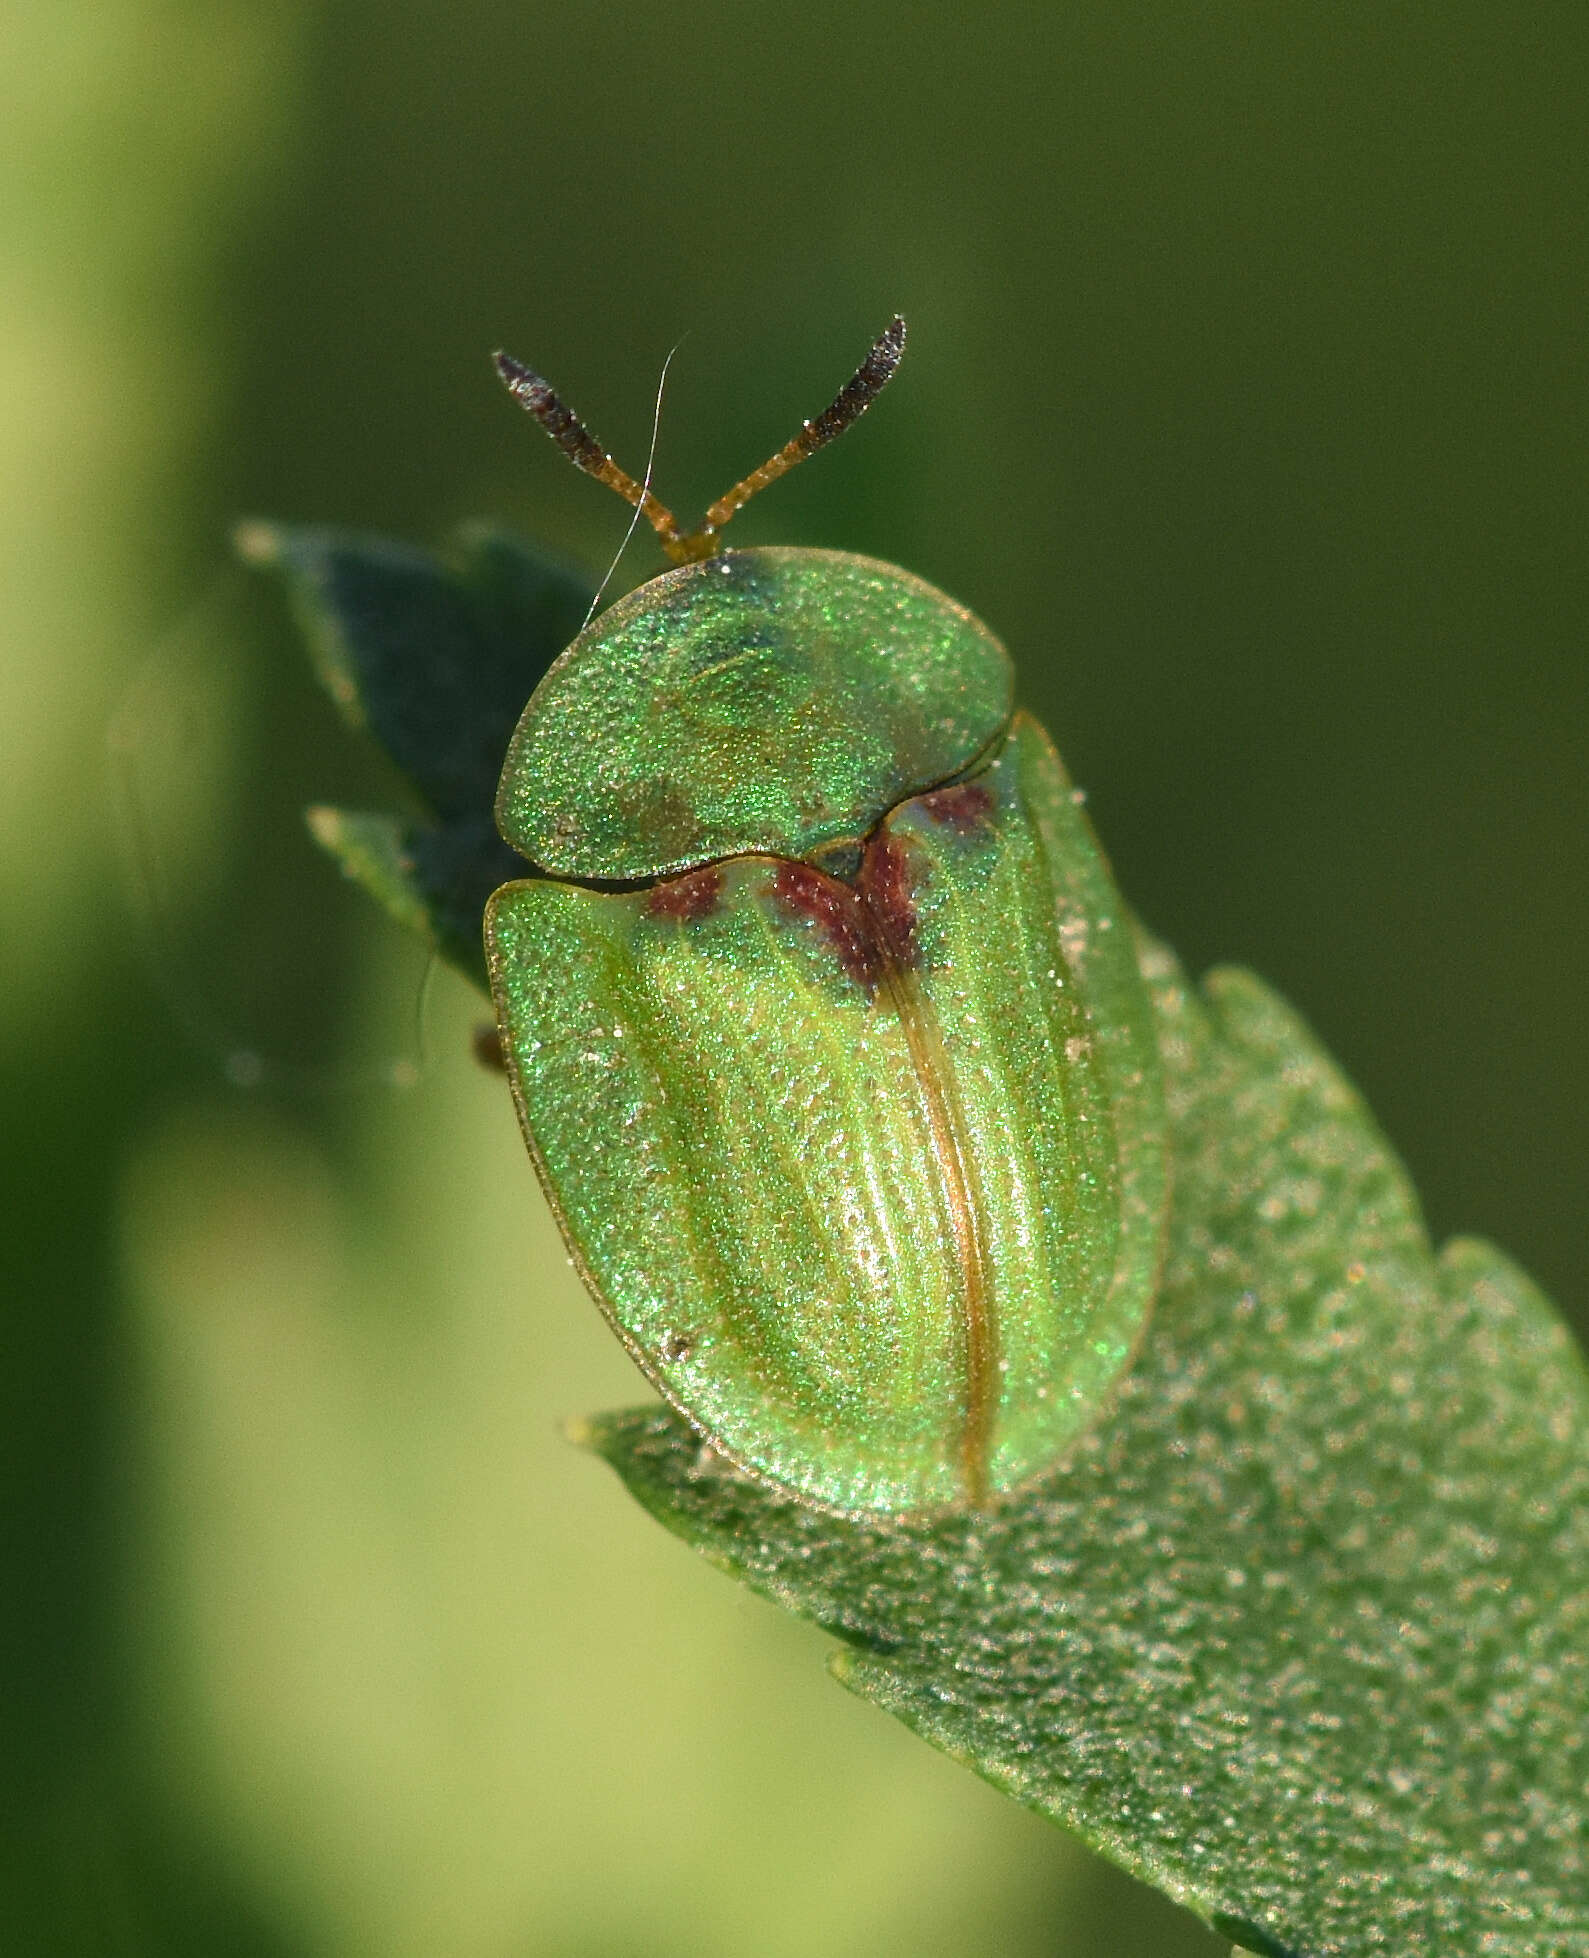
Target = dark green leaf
(436,658)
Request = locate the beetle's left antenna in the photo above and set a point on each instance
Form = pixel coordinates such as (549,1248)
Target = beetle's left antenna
(540,399)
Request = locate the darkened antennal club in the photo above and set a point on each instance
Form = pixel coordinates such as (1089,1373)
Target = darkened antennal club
(570,434)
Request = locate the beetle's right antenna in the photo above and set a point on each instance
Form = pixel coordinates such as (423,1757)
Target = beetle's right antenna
(852,401)
(540,399)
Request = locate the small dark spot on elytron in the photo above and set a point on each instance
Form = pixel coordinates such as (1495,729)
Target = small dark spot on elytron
(485,1043)
(687,898)
(675,1347)
(961,807)
(1251,1937)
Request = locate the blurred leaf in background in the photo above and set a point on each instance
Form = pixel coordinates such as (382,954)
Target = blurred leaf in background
(1246,400)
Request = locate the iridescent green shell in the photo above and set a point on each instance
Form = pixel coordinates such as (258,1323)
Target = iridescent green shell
(853,1125)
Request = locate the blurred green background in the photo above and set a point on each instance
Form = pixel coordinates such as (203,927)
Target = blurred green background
(1246,399)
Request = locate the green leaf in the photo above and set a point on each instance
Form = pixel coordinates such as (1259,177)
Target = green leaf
(1300,1634)
(435,658)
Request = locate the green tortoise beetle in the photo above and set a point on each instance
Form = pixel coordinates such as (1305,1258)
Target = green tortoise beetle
(822,1014)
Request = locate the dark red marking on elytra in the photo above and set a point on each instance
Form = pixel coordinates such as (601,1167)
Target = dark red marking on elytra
(885,886)
(836,911)
(961,807)
(687,898)
(868,924)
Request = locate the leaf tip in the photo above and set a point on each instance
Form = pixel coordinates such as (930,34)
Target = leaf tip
(325,825)
(583,1432)
(258,542)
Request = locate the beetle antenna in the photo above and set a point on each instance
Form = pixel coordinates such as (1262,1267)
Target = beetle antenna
(540,399)
(850,403)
